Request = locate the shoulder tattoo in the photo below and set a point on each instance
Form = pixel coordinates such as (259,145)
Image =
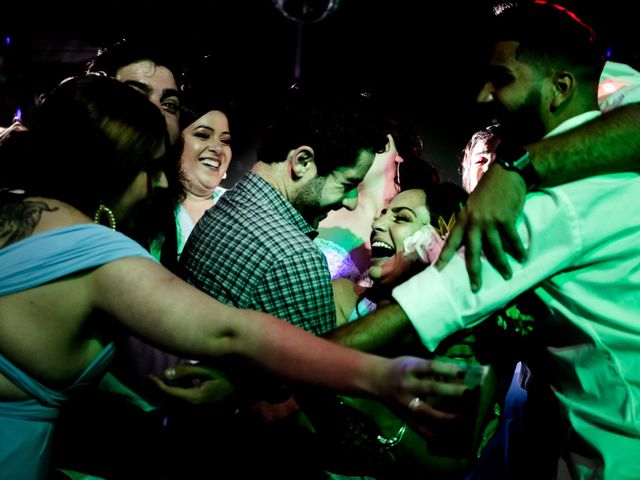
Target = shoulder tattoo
(18,220)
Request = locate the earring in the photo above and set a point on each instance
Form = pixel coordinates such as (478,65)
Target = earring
(106,211)
(224,176)
(397,177)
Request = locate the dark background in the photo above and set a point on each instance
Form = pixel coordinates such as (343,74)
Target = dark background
(419,57)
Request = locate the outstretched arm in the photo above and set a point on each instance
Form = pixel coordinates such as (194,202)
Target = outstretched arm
(375,331)
(607,144)
(164,310)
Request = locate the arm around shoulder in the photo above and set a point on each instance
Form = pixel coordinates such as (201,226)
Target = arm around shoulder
(609,143)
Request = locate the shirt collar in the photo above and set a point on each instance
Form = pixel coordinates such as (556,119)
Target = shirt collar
(277,201)
(573,122)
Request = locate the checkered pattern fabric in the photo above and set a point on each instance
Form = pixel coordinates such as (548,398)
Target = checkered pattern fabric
(254,250)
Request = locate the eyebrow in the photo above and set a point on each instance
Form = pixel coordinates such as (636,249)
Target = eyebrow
(167,92)
(399,209)
(139,85)
(213,130)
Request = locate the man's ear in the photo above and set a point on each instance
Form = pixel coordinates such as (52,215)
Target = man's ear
(564,85)
(302,162)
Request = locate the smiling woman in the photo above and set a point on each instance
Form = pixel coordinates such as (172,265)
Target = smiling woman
(206,154)
(406,216)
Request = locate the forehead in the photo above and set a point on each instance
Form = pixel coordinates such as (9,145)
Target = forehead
(215,118)
(503,58)
(504,52)
(480,146)
(147,72)
(414,199)
(504,67)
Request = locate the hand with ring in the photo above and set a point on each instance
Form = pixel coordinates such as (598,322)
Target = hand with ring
(415,404)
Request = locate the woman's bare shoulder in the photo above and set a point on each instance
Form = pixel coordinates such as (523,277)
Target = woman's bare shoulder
(34,215)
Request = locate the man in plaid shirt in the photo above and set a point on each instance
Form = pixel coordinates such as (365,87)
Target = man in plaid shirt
(255,249)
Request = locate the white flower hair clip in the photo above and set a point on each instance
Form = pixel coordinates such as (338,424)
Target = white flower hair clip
(426,243)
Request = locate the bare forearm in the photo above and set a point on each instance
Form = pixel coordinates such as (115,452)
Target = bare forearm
(375,332)
(609,144)
(300,356)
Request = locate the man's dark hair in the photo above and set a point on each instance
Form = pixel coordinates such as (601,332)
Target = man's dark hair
(337,126)
(197,101)
(130,50)
(550,35)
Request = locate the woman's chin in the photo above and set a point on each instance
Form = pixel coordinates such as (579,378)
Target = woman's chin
(379,267)
(374,272)
(390,271)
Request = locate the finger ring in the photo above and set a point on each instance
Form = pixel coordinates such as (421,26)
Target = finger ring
(415,404)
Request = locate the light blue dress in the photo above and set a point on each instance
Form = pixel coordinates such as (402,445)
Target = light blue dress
(26,427)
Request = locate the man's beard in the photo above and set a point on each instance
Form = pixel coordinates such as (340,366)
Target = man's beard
(307,201)
(524,124)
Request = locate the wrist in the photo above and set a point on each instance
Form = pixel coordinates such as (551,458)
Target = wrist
(518,160)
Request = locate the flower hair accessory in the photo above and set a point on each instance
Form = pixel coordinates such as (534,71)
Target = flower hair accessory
(426,243)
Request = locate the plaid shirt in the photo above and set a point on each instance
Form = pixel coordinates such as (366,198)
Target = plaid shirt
(254,250)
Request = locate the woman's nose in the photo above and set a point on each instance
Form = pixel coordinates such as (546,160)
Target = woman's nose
(378,224)
(215,147)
